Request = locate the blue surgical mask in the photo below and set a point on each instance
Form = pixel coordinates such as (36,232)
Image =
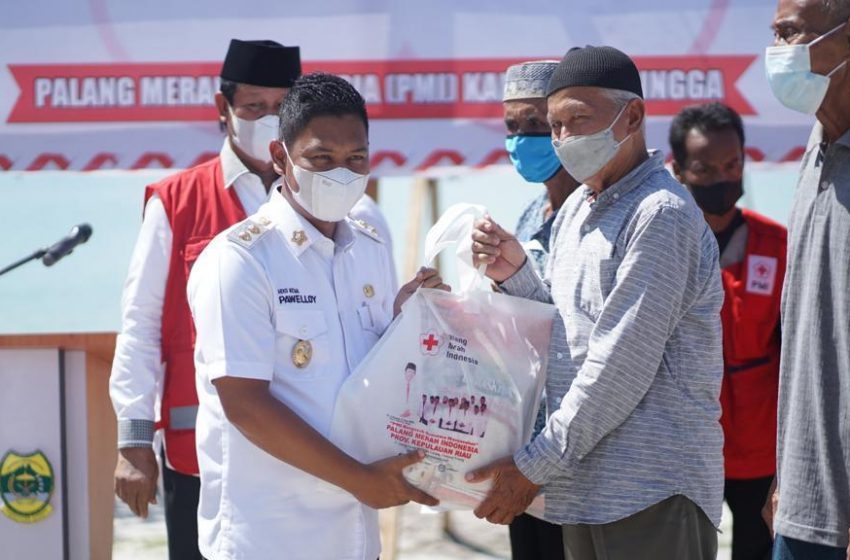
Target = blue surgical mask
(533,156)
(789,73)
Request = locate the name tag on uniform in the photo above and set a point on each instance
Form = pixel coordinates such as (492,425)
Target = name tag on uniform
(294,295)
(761,274)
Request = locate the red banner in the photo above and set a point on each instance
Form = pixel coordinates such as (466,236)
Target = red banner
(115,92)
(671,83)
(398,89)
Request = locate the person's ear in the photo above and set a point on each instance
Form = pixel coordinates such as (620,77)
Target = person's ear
(221,104)
(677,172)
(636,114)
(278,157)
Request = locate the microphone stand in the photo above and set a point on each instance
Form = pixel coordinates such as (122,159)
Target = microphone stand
(36,255)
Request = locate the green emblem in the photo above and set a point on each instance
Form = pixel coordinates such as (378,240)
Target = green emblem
(26,486)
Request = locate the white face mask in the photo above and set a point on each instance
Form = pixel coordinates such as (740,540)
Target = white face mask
(584,156)
(327,195)
(789,73)
(253,137)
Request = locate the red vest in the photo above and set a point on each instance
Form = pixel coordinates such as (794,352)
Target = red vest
(198,208)
(750,318)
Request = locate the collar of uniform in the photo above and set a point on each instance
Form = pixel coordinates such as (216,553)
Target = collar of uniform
(632,179)
(231,166)
(299,233)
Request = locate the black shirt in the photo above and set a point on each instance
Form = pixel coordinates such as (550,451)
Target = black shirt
(723,237)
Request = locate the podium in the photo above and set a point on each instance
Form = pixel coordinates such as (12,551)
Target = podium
(57,446)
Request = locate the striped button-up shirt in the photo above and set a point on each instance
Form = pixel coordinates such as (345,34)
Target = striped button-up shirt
(635,368)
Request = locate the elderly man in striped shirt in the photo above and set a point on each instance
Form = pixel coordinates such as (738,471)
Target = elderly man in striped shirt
(631,458)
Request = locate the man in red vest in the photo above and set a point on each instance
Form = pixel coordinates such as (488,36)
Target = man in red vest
(153,372)
(708,158)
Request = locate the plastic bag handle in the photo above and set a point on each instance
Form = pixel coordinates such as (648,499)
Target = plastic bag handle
(454,228)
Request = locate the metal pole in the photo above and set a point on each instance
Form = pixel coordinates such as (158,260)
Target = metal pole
(63,446)
(424,192)
(36,255)
(390,525)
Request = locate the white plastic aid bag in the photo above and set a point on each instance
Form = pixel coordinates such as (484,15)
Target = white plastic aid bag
(458,375)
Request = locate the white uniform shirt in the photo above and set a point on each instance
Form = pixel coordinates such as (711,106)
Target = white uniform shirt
(136,380)
(253,297)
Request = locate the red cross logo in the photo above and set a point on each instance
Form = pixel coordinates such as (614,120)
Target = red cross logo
(430,343)
(761,274)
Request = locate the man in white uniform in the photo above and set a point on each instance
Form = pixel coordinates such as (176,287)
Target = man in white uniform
(286,304)
(255,78)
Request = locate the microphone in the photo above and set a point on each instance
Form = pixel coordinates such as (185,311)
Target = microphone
(79,234)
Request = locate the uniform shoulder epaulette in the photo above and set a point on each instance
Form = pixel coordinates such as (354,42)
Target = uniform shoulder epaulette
(249,231)
(367,229)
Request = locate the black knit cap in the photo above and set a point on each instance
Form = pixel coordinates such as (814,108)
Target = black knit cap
(261,63)
(604,67)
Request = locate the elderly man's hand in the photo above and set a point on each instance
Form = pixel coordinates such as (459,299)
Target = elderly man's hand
(510,495)
(497,248)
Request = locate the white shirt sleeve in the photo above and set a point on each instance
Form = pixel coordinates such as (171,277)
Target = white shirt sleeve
(137,370)
(230,298)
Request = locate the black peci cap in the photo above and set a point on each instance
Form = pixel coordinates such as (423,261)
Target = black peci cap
(261,63)
(604,67)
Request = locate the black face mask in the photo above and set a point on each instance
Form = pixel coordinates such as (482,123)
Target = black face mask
(718,198)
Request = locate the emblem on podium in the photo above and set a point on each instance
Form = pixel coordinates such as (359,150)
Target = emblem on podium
(26,486)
